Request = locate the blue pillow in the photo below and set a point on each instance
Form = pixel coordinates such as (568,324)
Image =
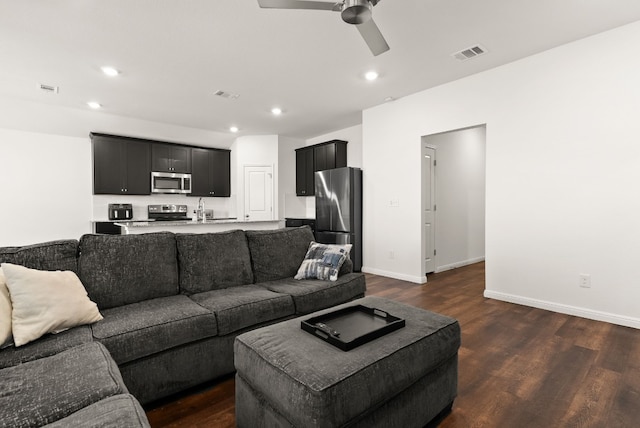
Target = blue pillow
(323,261)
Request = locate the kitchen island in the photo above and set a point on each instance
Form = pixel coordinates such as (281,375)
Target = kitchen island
(185,226)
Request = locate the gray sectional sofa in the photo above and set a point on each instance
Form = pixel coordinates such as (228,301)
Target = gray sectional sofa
(172,305)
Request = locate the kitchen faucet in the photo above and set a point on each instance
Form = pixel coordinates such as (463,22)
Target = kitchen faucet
(200,211)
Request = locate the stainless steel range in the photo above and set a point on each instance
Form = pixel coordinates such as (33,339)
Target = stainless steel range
(167,212)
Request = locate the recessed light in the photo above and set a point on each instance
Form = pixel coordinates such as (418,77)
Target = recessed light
(234,129)
(276,111)
(110,71)
(371,75)
(94,105)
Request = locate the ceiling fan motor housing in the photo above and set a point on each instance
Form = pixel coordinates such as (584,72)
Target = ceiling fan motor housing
(356,11)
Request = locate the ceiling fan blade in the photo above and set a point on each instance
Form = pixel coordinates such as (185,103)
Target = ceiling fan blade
(372,35)
(300,4)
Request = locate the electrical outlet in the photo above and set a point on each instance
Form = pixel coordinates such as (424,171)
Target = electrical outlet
(584,280)
(392,255)
(395,203)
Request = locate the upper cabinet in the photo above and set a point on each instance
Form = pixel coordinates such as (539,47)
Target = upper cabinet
(121,166)
(328,155)
(170,158)
(210,172)
(304,171)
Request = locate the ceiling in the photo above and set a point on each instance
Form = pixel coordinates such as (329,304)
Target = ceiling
(173,55)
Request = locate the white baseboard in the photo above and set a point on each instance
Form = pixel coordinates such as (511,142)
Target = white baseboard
(458,264)
(395,275)
(565,309)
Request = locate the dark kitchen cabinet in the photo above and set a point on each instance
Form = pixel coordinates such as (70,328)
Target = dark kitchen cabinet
(328,155)
(170,158)
(210,172)
(297,222)
(121,166)
(304,172)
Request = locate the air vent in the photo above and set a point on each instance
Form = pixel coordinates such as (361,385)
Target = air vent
(48,88)
(469,53)
(227,95)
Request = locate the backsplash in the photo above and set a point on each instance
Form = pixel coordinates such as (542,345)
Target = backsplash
(222,207)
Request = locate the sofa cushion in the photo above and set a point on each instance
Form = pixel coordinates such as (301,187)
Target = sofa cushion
(116,411)
(118,270)
(140,329)
(47,345)
(277,254)
(311,295)
(211,261)
(52,388)
(53,255)
(244,306)
(46,302)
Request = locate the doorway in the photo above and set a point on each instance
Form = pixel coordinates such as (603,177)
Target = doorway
(453,198)
(258,193)
(428,207)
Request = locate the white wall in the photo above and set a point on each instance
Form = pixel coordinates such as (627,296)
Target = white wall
(562,179)
(47,168)
(460,196)
(255,150)
(291,205)
(46,187)
(221,207)
(353,135)
(45,118)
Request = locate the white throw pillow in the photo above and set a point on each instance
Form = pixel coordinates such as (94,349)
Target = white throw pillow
(46,302)
(323,261)
(5,313)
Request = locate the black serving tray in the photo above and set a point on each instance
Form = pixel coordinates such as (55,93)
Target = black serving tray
(350,327)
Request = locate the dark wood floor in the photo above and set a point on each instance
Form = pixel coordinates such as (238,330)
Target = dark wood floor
(518,366)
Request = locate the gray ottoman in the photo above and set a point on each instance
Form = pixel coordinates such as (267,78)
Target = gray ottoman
(287,377)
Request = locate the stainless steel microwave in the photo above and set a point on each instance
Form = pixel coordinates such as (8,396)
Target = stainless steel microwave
(170,182)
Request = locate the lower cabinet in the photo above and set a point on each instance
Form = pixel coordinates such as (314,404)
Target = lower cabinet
(297,222)
(107,228)
(210,172)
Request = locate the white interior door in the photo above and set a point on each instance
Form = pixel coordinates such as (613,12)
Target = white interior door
(258,193)
(429,207)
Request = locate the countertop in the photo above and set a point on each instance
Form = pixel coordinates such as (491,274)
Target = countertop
(145,223)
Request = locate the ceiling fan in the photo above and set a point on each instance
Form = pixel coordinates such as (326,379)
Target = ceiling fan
(356,12)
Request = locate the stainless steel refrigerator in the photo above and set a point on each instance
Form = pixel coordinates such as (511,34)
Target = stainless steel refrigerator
(339,209)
